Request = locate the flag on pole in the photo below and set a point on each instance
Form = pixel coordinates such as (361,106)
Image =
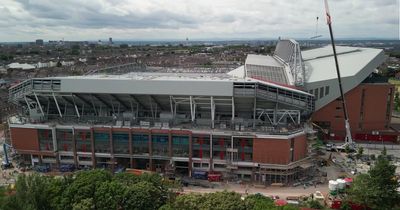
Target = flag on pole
(328,15)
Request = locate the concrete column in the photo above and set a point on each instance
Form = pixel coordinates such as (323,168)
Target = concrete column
(211,152)
(74,147)
(150,152)
(170,151)
(130,147)
(112,159)
(190,154)
(93,150)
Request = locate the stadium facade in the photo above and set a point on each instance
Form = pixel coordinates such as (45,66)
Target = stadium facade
(249,122)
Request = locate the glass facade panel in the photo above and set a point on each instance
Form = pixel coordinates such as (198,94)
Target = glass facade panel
(140,144)
(64,140)
(180,146)
(83,143)
(245,149)
(121,142)
(45,140)
(159,145)
(102,142)
(220,143)
(201,146)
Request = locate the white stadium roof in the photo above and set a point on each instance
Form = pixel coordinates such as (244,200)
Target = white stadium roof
(355,65)
(262,60)
(320,64)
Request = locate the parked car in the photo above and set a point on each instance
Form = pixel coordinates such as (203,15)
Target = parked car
(42,168)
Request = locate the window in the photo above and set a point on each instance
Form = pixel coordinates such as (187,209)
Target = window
(64,140)
(83,141)
(201,146)
(160,144)
(321,92)
(316,93)
(311,91)
(102,142)
(140,144)
(180,146)
(45,140)
(121,142)
(326,90)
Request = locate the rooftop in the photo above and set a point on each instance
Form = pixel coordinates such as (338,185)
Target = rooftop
(320,64)
(262,60)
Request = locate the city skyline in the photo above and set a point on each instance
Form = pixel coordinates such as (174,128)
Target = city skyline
(23,20)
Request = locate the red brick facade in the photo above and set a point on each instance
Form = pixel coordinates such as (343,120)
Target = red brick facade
(369,106)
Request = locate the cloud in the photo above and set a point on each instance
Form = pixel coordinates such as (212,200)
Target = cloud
(177,19)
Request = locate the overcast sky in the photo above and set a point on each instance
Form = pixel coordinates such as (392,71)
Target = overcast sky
(27,20)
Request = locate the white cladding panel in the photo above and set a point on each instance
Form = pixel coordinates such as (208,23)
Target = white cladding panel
(157,87)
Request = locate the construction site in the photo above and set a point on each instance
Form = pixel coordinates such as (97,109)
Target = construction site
(253,123)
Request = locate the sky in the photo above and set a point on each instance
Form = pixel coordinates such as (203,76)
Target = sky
(27,20)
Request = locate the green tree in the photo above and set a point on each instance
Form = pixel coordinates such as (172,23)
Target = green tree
(345,206)
(223,201)
(192,201)
(83,186)
(38,192)
(259,202)
(143,195)
(84,204)
(378,188)
(314,204)
(109,195)
(347,149)
(360,152)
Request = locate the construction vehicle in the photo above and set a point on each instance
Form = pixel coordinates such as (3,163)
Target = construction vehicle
(5,164)
(348,139)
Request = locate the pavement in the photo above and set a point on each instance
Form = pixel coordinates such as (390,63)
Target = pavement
(282,192)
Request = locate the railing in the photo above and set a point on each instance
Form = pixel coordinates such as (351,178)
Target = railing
(20,90)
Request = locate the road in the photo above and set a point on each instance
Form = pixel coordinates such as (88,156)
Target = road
(282,192)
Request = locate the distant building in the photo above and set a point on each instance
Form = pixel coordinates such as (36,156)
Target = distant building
(39,42)
(110,41)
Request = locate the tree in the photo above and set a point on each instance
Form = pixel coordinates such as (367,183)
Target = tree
(259,202)
(192,201)
(223,201)
(38,192)
(359,152)
(378,188)
(84,204)
(143,195)
(345,206)
(83,187)
(314,204)
(109,195)
(347,149)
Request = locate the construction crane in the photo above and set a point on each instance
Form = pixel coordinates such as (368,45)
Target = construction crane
(316,31)
(348,139)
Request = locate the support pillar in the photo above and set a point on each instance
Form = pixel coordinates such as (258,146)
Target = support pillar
(74,151)
(58,107)
(112,159)
(93,149)
(212,112)
(211,153)
(150,152)
(190,155)
(130,147)
(38,103)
